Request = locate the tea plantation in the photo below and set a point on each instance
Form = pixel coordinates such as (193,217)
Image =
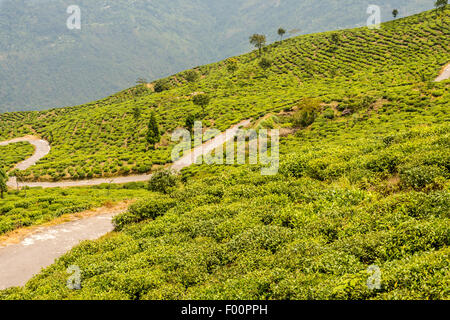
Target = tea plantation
(393,64)
(363,181)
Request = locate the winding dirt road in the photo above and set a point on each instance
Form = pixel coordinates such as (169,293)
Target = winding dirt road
(42,148)
(19,262)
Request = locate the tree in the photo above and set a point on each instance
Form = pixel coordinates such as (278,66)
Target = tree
(162,85)
(201,100)
(259,41)
(136,113)
(232,65)
(441,4)
(281,33)
(141,81)
(153,135)
(162,181)
(3,181)
(395,13)
(20,178)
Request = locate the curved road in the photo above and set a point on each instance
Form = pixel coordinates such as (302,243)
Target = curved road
(42,148)
(19,262)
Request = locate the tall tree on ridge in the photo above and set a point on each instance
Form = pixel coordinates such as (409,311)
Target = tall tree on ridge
(281,33)
(441,4)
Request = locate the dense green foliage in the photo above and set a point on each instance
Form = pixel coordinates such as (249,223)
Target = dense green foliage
(3,181)
(363,180)
(37,206)
(391,66)
(162,181)
(12,154)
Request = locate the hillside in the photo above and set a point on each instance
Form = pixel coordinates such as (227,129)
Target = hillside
(45,65)
(364,182)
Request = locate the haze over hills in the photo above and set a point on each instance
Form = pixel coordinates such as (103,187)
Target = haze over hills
(44,65)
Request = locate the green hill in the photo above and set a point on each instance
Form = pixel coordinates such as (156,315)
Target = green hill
(364,182)
(45,65)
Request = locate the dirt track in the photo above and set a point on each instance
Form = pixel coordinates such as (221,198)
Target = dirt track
(42,149)
(19,262)
(445,74)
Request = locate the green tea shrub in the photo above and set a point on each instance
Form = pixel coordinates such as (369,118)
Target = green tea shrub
(162,181)
(162,85)
(328,114)
(386,161)
(144,209)
(420,177)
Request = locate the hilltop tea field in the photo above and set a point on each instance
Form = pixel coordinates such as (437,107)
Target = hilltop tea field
(363,181)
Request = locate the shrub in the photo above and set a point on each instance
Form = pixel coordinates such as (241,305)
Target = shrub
(421,177)
(144,209)
(328,114)
(385,162)
(162,85)
(302,119)
(192,76)
(265,63)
